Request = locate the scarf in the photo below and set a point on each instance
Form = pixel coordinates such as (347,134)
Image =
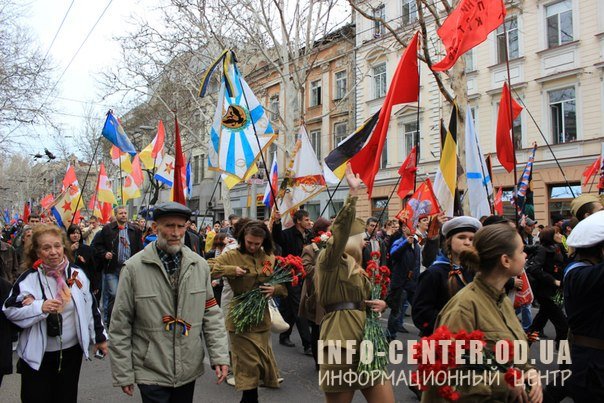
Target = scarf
(58,273)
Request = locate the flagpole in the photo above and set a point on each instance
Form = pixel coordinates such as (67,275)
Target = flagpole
(547,144)
(398,181)
(507,64)
(331,195)
(149,188)
(484,175)
(96,148)
(258,141)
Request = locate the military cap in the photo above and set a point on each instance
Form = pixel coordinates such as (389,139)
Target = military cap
(588,232)
(460,224)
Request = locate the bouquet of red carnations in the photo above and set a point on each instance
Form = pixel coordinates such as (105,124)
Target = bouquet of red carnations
(248,308)
(321,239)
(373,332)
(445,360)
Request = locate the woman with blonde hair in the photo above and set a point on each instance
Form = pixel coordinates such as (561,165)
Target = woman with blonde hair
(343,290)
(497,255)
(52,304)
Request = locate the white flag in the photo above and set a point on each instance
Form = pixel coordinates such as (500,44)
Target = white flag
(304,180)
(480,187)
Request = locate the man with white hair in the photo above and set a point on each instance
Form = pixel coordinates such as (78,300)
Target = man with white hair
(158,330)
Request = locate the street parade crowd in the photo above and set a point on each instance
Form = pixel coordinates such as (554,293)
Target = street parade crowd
(156,295)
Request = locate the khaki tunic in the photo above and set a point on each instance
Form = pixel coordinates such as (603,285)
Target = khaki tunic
(336,285)
(252,355)
(479,306)
(309,307)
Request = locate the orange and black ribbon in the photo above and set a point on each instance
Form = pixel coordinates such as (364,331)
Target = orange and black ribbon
(171,321)
(74,279)
(210,303)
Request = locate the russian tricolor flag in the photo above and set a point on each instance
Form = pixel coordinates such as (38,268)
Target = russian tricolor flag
(272,182)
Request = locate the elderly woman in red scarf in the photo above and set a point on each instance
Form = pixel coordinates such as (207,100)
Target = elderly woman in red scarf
(52,304)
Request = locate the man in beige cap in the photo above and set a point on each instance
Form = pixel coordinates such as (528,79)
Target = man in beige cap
(585,205)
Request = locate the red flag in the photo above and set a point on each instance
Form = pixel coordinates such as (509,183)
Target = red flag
(178,191)
(591,170)
(423,202)
(70,177)
(26,212)
(467,26)
(137,171)
(505,148)
(47,201)
(498,203)
(404,87)
(407,173)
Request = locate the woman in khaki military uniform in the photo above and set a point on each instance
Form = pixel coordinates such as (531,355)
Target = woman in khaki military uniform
(251,352)
(343,289)
(497,255)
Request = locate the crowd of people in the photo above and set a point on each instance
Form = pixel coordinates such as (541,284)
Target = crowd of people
(135,289)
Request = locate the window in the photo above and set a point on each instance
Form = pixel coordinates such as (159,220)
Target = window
(377,206)
(274,106)
(315,141)
(341,84)
(560,197)
(410,138)
(409,12)
(517,132)
(470,64)
(335,207)
(314,209)
(315,93)
(379,81)
(559,22)
(378,27)
(384,160)
(197,169)
(512,46)
(562,107)
(340,131)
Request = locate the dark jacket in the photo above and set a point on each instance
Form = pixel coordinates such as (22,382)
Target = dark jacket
(367,251)
(7,332)
(432,293)
(84,258)
(583,303)
(9,262)
(404,262)
(107,241)
(193,242)
(290,240)
(545,267)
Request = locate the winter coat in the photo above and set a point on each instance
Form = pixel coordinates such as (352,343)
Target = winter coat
(32,321)
(145,347)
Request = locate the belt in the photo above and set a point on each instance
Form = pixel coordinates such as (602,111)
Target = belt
(344,306)
(586,341)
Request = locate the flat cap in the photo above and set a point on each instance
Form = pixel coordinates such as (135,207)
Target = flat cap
(460,224)
(581,201)
(530,221)
(588,232)
(171,209)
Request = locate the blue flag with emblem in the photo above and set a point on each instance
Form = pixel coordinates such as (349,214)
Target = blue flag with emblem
(241,128)
(114,132)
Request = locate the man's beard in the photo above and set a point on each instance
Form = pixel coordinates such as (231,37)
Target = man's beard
(162,243)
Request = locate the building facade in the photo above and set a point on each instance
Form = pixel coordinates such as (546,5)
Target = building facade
(556,62)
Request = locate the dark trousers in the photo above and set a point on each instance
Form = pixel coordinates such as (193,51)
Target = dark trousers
(165,394)
(548,310)
(289,310)
(48,384)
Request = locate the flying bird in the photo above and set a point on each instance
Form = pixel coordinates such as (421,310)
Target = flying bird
(50,155)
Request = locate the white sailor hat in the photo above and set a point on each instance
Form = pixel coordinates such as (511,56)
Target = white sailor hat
(460,224)
(589,232)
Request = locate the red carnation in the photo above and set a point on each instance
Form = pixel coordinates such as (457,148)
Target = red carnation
(513,376)
(449,393)
(37,264)
(295,281)
(375,255)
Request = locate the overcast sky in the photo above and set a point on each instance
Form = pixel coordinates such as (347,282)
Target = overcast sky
(79,84)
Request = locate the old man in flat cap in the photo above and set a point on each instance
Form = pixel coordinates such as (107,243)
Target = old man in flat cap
(159,323)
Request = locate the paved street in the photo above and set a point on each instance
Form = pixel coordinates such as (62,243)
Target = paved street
(300,385)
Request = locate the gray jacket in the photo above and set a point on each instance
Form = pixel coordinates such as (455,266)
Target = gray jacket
(144,349)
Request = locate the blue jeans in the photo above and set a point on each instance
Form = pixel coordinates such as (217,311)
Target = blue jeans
(526,315)
(110,281)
